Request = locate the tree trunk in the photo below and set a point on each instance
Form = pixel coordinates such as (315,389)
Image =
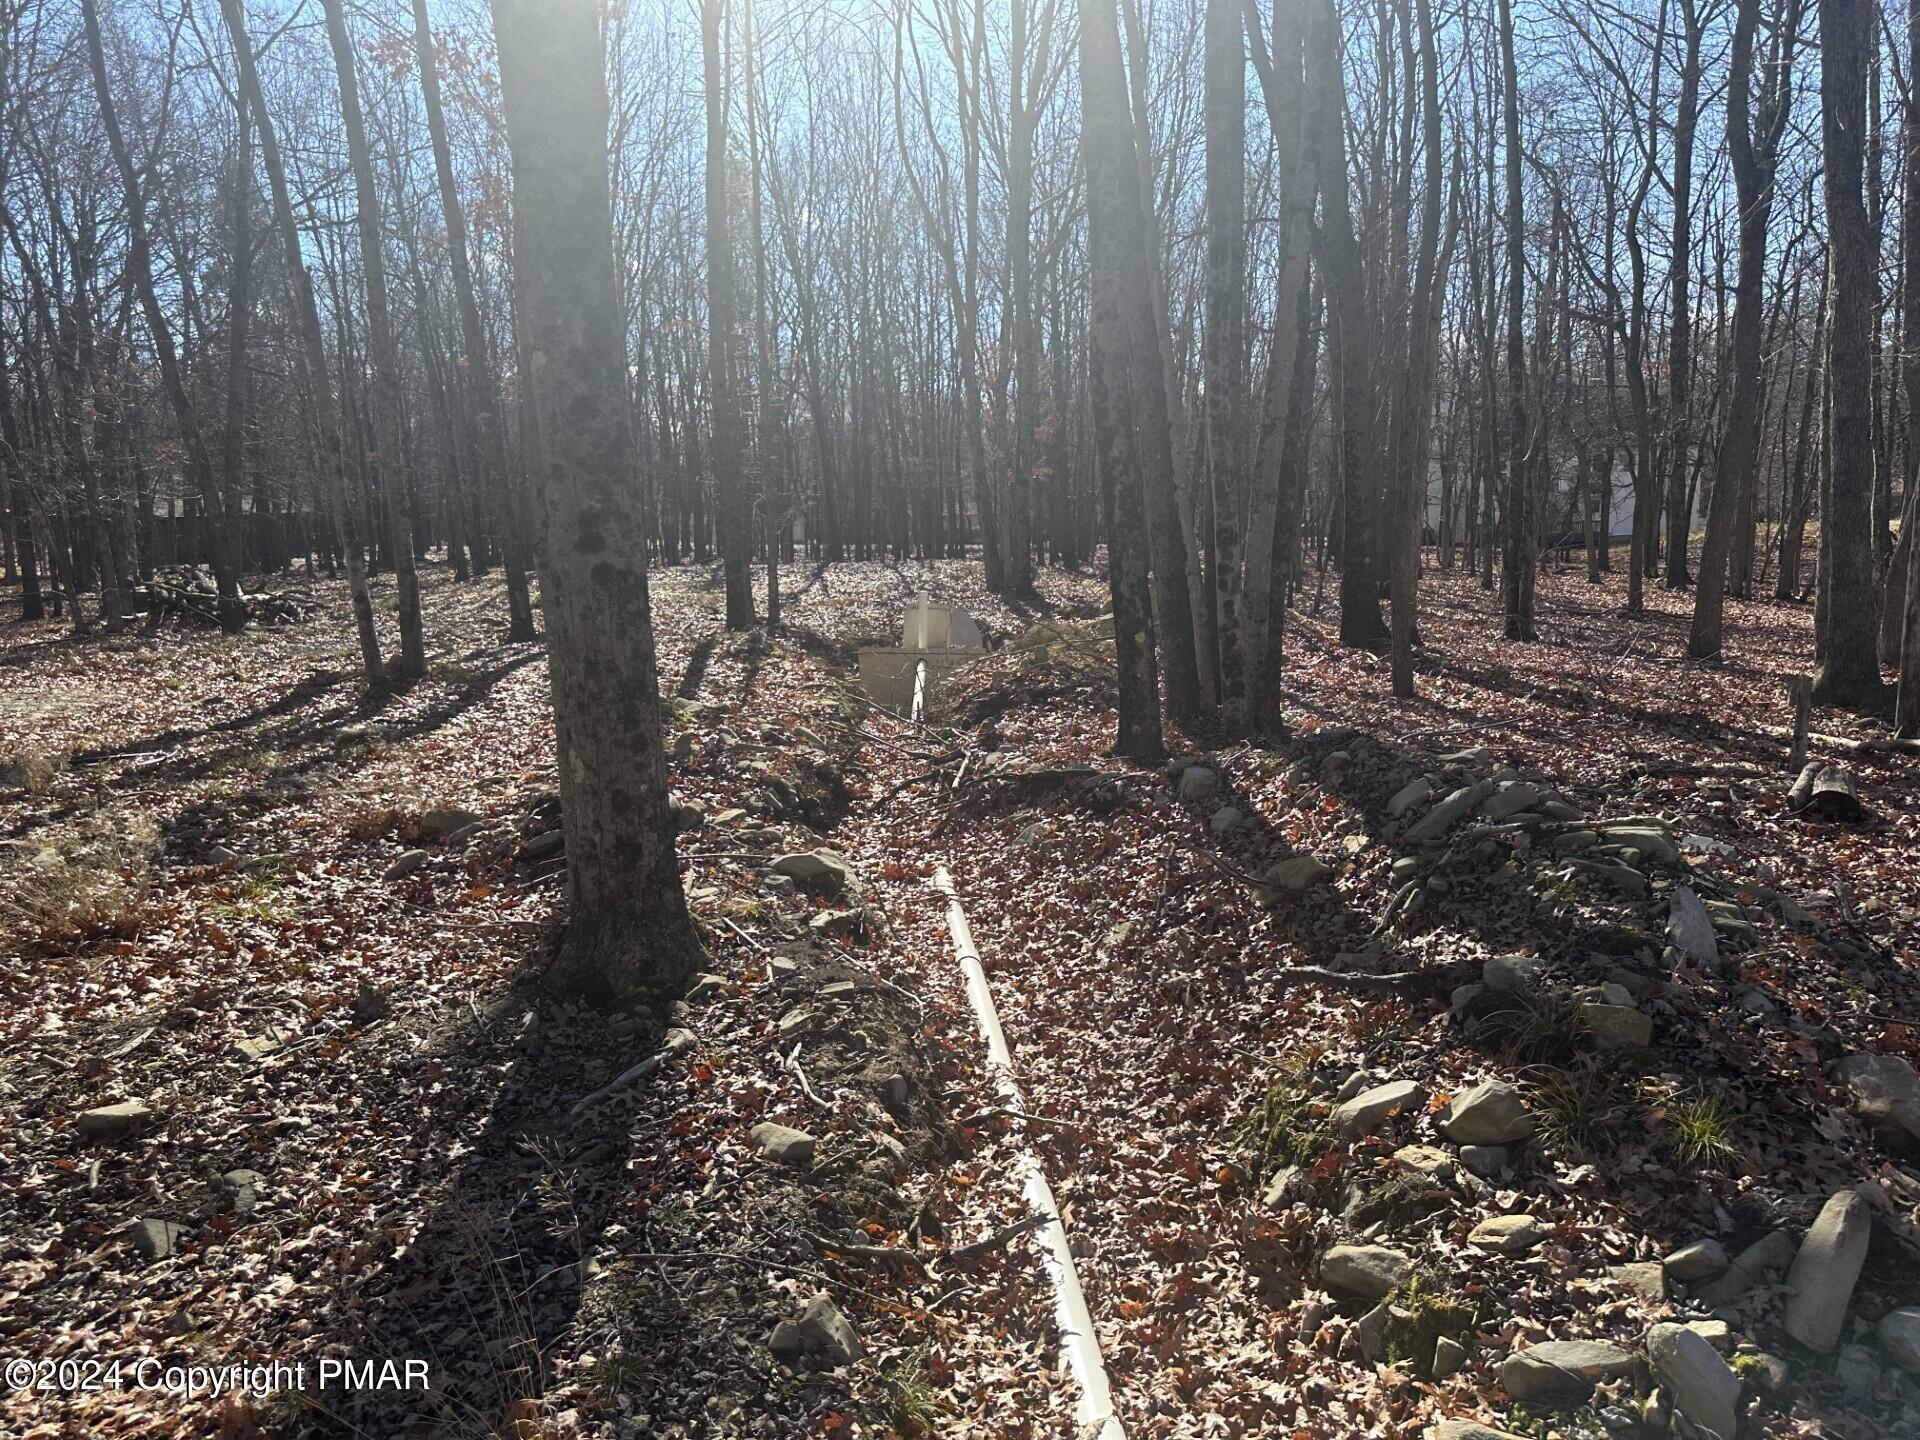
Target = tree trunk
(483,407)
(1848,668)
(733,509)
(1680,315)
(629,935)
(1114,254)
(312,349)
(1413,440)
(1226,345)
(140,273)
(1753,166)
(1272,510)
(1517,579)
(385,464)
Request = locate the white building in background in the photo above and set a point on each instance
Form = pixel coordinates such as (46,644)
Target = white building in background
(1620,520)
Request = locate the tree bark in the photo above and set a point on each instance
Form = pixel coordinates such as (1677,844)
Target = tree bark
(1753,169)
(474,365)
(1226,344)
(385,464)
(629,934)
(723,449)
(1517,579)
(1848,668)
(1114,254)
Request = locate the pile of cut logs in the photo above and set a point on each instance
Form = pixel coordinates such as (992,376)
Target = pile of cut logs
(188,592)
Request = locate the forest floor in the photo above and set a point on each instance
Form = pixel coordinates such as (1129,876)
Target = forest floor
(297,936)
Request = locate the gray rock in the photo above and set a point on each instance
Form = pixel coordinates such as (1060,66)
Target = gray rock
(409,861)
(1485,1161)
(1823,1273)
(1370,1333)
(1465,1430)
(825,1332)
(1406,868)
(1563,1369)
(1859,1372)
(688,816)
(1226,820)
(1429,1160)
(255,1048)
(1646,1279)
(797,1022)
(1371,1271)
(443,823)
(1362,1114)
(1414,792)
(1654,843)
(114,1122)
(1899,1335)
(157,1239)
(1508,1234)
(1886,1091)
(221,855)
(1280,1188)
(1448,1356)
(1510,799)
(1491,1113)
(1702,1260)
(1617,1027)
(1291,878)
(1570,842)
(839,924)
(1350,1087)
(1197,783)
(544,845)
(1716,1333)
(1623,878)
(1448,813)
(1767,1372)
(1558,809)
(785,1342)
(1766,1257)
(1506,974)
(706,986)
(1691,929)
(241,1189)
(1704,1387)
(821,868)
(1031,835)
(783,1143)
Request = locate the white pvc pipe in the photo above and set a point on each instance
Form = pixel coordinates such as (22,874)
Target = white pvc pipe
(919,689)
(1077,1338)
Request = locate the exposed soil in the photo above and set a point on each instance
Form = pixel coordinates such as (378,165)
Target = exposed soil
(200,858)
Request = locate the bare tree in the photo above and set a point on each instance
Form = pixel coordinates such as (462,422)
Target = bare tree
(629,931)
(385,461)
(1116,253)
(1847,666)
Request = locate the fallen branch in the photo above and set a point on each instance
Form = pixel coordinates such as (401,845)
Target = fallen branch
(979,1249)
(1397,982)
(676,1042)
(888,1254)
